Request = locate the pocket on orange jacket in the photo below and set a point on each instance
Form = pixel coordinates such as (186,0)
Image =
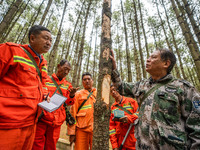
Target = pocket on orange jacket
(48,116)
(81,119)
(27,72)
(20,92)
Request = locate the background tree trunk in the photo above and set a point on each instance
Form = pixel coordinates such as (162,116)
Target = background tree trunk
(194,50)
(9,16)
(127,47)
(53,53)
(139,41)
(45,12)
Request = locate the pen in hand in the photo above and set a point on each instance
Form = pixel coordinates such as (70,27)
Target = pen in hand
(47,97)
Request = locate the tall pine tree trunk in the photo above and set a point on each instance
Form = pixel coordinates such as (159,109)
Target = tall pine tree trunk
(94,62)
(139,41)
(90,48)
(167,40)
(192,45)
(8,17)
(194,24)
(75,65)
(14,22)
(77,20)
(101,107)
(82,39)
(119,54)
(45,12)
(127,47)
(25,39)
(135,53)
(53,53)
(174,42)
(143,29)
(26,27)
(49,18)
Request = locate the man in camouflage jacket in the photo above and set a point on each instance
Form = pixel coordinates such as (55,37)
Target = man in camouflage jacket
(169,116)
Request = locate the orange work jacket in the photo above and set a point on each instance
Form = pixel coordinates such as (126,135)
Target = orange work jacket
(57,117)
(84,118)
(117,130)
(21,87)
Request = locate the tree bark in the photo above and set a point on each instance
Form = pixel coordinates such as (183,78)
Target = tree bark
(101,107)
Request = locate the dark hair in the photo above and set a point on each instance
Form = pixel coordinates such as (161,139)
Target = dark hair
(63,61)
(36,29)
(86,74)
(165,55)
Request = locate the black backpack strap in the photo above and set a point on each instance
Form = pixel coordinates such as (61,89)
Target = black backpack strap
(84,101)
(124,109)
(33,61)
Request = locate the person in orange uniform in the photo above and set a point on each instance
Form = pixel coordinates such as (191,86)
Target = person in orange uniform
(119,127)
(82,131)
(48,127)
(22,88)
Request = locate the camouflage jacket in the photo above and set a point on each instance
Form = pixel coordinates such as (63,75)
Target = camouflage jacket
(169,118)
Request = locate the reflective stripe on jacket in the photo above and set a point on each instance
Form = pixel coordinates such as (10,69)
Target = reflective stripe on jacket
(84,118)
(117,130)
(57,117)
(21,87)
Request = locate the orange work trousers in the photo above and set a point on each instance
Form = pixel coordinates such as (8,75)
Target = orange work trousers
(46,137)
(17,139)
(83,140)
